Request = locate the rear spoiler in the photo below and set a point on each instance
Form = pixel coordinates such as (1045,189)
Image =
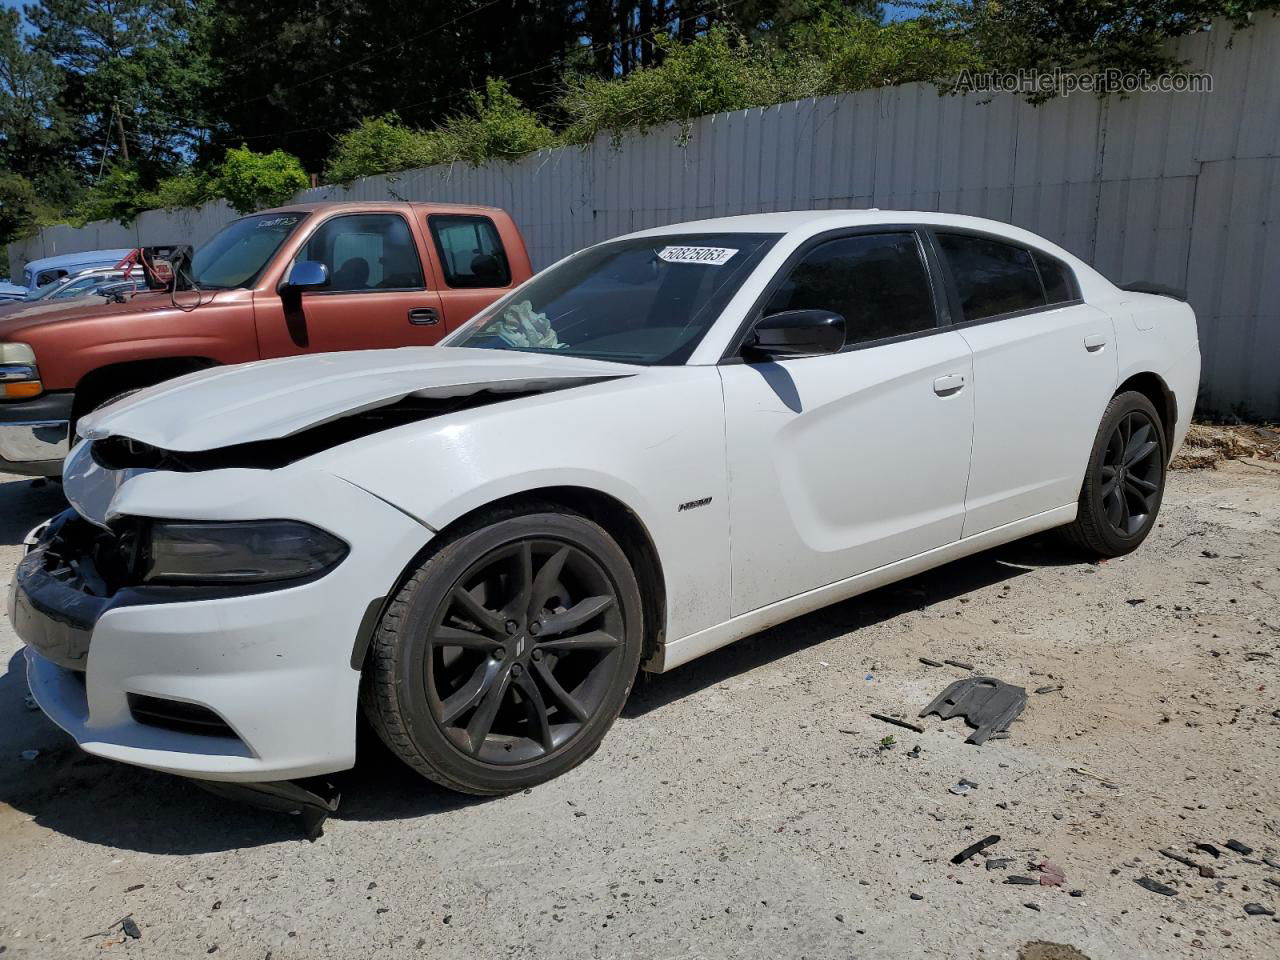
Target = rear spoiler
(1159,289)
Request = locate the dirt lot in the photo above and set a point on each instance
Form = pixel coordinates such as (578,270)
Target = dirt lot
(743,805)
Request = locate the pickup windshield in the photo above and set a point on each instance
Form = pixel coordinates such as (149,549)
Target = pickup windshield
(240,251)
(648,301)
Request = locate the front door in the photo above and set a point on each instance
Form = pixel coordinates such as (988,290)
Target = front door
(843,463)
(376,297)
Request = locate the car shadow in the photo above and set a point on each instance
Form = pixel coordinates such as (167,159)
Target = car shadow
(119,806)
(939,585)
(24,503)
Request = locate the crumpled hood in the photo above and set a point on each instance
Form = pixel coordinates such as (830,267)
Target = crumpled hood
(271,399)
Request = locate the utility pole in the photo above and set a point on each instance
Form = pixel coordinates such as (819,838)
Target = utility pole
(124,145)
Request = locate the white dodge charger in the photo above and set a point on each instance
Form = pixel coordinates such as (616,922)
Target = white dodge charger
(659,445)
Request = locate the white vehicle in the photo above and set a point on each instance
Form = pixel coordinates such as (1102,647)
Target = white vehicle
(657,446)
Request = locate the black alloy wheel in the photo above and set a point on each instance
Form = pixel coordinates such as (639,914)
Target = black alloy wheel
(522,651)
(1132,474)
(508,653)
(1124,480)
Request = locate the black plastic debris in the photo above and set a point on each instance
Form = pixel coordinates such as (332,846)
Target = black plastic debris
(959,664)
(930,663)
(885,718)
(1210,849)
(1155,886)
(1174,855)
(1258,910)
(1241,848)
(130,929)
(999,863)
(987,704)
(978,847)
(283,796)
(1024,881)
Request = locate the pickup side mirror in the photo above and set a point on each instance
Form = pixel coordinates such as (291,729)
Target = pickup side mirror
(306,275)
(796,333)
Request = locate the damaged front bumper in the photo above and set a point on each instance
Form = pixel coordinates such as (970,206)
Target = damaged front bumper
(249,688)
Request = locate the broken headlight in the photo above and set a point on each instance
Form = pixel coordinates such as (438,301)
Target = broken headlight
(237,552)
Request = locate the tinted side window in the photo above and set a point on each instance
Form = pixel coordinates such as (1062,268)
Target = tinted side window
(878,283)
(366,251)
(1056,277)
(992,277)
(470,251)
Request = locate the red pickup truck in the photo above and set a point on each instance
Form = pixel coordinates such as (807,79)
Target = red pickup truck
(307,278)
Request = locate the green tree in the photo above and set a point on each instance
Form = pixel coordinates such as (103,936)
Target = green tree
(134,74)
(1131,36)
(382,144)
(251,181)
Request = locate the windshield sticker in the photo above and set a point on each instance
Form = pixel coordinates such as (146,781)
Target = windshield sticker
(276,222)
(712,256)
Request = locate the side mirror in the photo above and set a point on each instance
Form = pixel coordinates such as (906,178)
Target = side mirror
(306,275)
(797,333)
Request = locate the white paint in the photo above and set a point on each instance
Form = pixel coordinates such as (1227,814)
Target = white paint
(817,478)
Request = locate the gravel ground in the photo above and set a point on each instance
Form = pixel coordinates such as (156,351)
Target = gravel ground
(744,805)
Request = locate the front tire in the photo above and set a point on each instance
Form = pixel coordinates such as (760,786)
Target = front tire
(1124,485)
(508,653)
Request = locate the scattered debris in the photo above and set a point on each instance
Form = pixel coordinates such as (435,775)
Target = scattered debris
(1210,849)
(1051,875)
(987,704)
(916,896)
(1134,601)
(1032,906)
(915,753)
(1174,855)
(959,664)
(1086,772)
(888,743)
(1044,950)
(1052,688)
(1258,910)
(130,929)
(1241,848)
(1001,863)
(30,702)
(978,847)
(1209,554)
(930,663)
(1024,881)
(1075,893)
(885,718)
(29,754)
(1155,886)
(963,787)
(283,796)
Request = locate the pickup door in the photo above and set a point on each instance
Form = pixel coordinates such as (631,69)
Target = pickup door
(377,294)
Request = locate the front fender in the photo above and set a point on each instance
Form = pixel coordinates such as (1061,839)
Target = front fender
(654,442)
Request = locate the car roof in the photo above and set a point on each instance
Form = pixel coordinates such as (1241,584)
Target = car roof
(357,205)
(71,259)
(817,221)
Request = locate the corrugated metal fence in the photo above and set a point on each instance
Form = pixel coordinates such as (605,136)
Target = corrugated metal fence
(1181,189)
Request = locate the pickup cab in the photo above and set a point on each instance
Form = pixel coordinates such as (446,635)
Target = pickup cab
(306,278)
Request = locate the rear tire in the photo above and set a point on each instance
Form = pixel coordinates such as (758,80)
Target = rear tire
(508,653)
(1124,483)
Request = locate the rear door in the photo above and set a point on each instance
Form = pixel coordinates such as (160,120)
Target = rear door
(473,265)
(843,463)
(377,294)
(1044,369)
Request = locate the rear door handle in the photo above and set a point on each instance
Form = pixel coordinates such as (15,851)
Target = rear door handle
(424,316)
(1094,342)
(946,386)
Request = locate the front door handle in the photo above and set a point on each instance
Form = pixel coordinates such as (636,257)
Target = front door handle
(1094,342)
(424,316)
(950,384)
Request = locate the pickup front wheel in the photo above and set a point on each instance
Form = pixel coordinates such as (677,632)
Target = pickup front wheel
(507,655)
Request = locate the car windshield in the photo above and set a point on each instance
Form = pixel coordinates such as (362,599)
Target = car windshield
(649,300)
(239,252)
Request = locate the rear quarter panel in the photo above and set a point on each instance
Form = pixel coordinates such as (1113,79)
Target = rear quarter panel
(1156,334)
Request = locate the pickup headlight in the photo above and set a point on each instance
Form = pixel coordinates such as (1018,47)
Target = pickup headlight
(19,375)
(237,552)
